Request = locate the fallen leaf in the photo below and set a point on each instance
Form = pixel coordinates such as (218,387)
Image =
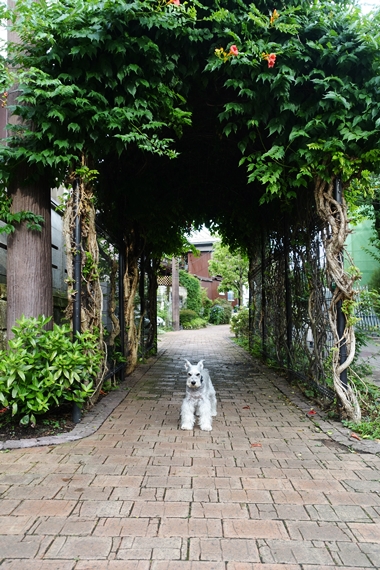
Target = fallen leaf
(355,436)
(256,445)
(246,408)
(311,413)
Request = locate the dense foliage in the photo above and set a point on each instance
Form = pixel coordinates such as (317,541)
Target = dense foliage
(194,294)
(232,267)
(103,78)
(44,368)
(220,312)
(187,315)
(240,323)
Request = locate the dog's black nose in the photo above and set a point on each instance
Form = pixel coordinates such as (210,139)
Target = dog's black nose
(193,382)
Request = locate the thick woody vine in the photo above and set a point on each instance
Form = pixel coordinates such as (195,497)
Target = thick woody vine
(334,215)
(91,292)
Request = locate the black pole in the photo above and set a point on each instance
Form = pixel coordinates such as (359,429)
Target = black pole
(288,299)
(251,297)
(263,297)
(142,304)
(340,316)
(175,294)
(121,307)
(76,411)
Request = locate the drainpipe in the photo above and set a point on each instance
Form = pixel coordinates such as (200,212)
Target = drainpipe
(76,411)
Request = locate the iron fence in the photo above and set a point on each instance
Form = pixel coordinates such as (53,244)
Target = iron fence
(290,299)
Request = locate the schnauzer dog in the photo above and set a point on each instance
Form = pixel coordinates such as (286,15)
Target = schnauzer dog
(200,398)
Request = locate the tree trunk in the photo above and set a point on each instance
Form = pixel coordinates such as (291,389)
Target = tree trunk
(131,284)
(29,258)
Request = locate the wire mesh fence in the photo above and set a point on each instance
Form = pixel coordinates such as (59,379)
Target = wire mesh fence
(291,300)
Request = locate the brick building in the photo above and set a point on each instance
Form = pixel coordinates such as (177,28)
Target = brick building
(198,266)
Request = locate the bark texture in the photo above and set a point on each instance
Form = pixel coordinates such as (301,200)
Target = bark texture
(29,256)
(133,250)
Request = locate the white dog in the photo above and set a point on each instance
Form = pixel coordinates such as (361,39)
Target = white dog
(200,398)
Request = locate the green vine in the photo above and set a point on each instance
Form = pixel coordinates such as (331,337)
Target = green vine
(33,221)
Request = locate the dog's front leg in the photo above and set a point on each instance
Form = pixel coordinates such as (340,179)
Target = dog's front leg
(187,414)
(213,402)
(205,421)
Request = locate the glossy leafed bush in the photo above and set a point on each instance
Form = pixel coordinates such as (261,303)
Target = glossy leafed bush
(44,368)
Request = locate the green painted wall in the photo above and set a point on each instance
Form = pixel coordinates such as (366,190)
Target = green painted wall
(355,245)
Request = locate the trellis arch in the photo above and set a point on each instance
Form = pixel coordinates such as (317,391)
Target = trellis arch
(206,112)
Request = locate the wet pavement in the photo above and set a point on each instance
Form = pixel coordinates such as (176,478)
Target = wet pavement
(270,488)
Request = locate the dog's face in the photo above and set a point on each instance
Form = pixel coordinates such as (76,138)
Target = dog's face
(194,374)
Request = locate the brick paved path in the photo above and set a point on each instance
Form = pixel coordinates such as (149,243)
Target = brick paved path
(263,491)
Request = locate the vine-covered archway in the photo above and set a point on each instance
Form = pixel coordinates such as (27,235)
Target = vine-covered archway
(214,111)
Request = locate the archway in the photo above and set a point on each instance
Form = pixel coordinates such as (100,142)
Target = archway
(265,108)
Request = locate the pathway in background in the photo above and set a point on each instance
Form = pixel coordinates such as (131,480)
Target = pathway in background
(265,490)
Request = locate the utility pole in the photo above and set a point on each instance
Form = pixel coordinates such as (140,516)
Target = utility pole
(175,294)
(76,411)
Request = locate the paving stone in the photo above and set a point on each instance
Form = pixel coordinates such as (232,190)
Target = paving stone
(295,552)
(223,549)
(113,565)
(17,546)
(310,530)
(38,565)
(366,532)
(85,547)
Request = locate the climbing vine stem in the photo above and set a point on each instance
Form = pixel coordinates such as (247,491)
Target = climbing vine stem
(334,216)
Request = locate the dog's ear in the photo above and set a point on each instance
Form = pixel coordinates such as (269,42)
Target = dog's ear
(187,365)
(200,364)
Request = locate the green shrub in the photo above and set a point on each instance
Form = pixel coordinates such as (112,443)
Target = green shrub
(240,323)
(368,302)
(368,428)
(374,281)
(44,368)
(186,315)
(220,312)
(194,291)
(206,305)
(197,323)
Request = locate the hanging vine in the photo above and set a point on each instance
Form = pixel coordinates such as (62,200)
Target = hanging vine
(334,215)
